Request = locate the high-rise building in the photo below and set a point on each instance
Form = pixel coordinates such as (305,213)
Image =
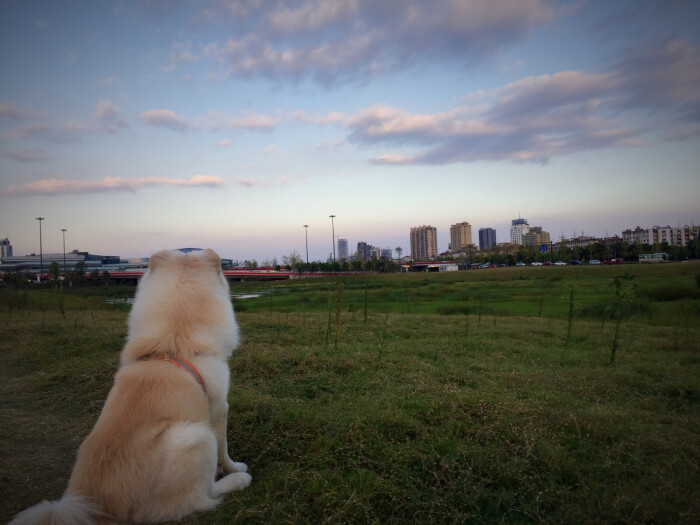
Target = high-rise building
(342,249)
(387,253)
(487,238)
(5,248)
(423,243)
(518,228)
(536,237)
(364,251)
(460,236)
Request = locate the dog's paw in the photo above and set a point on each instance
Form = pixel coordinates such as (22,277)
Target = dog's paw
(229,466)
(238,467)
(235,481)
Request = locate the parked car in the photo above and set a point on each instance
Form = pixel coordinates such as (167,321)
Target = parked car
(616,260)
(560,263)
(594,261)
(519,263)
(575,262)
(536,263)
(547,263)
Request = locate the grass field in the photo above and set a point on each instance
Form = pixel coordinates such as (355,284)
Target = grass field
(556,395)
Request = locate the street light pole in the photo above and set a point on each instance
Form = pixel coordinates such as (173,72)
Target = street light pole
(306,230)
(333,230)
(64,252)
(41,252)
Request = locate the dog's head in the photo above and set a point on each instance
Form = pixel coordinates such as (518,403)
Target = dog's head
(182,307)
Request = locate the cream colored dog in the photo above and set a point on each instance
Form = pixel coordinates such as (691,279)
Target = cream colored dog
(154,451)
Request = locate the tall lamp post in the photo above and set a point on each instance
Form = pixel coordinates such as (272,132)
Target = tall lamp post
(41,252)
(63,230)
(333,230)
(306,230)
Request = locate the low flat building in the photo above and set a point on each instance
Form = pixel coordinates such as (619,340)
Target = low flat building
(434,266)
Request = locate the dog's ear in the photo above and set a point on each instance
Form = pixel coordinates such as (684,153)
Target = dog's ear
(158,258)
(212,259)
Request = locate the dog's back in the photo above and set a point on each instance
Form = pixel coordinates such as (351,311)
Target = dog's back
(120,464)
(153,453)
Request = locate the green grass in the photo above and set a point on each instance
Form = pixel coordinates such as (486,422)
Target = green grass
(424,415)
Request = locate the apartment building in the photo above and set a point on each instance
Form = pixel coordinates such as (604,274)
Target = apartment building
(365,251)
(460,236)
(423,243)
(487,238)
(638,236)
(680,236)
(536,237)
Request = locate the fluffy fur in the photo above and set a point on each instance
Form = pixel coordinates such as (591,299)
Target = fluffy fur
(154,452)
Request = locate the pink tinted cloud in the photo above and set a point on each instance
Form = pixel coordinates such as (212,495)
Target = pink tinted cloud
(56,186)
(26,154)
(166,118)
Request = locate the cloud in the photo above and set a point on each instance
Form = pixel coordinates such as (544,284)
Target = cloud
(396,160)
(681,134)
(537,118)
(225,143)
(308,118)
(248,182)
(531,120)
(105,120)
(179,55)
(248,121)
(165,118)
(353,40)
(10,111)
(663,75)
(56,186)
(26,155)
(107,116)
(214,121)
(108,81)
(324,145)
(106,111)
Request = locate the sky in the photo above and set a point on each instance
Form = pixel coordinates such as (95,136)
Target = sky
(139,126)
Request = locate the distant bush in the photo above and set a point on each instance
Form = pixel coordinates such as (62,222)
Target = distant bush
(455,309)
(671,293)
(464,309)
(240,305)
(608,310)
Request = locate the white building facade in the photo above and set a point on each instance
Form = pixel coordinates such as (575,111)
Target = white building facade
(518,228)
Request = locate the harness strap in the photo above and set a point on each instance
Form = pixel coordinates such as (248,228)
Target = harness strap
(186,366)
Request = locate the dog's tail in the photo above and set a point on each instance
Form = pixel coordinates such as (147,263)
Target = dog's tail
(71,510)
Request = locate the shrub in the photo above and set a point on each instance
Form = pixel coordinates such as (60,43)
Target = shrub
(672,293)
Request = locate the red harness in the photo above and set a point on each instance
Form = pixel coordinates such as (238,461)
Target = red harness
(183,364)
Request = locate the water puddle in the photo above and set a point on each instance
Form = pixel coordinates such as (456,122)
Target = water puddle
(120,300)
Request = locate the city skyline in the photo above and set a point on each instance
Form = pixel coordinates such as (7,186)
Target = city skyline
(231,125)
(638,234)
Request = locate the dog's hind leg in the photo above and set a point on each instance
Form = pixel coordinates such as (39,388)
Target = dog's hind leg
(219,416)
(186,481)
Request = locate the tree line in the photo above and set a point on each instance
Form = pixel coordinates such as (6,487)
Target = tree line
(57,277)
(626,251)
